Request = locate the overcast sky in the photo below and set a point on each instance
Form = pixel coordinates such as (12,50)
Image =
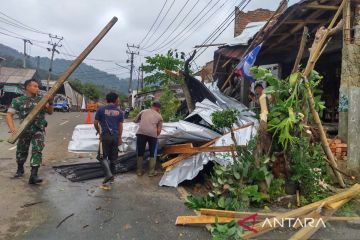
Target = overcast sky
(78,21)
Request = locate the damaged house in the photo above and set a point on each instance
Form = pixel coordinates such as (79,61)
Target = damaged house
(280,36)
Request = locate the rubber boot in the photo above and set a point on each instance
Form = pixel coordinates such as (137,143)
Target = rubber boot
(19,171)
(108,174)
(34,179)
(152,165)
(139,166)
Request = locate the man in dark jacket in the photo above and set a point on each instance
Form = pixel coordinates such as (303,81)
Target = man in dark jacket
(109,125)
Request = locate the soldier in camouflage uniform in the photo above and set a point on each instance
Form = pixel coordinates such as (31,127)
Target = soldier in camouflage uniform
(33,134)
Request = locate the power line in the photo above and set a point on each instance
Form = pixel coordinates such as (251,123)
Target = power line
(243,4)
(22,25)
(171,23)
(200,25)
(167,12)
(179,24)
(187,26)
(152,26)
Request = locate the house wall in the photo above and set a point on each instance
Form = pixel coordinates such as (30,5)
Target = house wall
(243,18)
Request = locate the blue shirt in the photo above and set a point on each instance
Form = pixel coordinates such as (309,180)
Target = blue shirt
(109,117)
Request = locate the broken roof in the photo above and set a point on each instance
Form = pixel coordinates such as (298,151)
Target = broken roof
(248,33)
(16,75)
(285,34)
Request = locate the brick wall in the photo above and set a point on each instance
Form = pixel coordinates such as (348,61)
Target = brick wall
(243,18)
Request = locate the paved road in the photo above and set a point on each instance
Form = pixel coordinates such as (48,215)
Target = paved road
(135,208)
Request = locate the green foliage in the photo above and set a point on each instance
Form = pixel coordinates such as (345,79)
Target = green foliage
(309,169)
(169,105)
(290,97)
(134,113)
(88,89)
(348,210)
(277,188)
(234,185)
(200,202)
(229,231)
(225,118)
(155,68)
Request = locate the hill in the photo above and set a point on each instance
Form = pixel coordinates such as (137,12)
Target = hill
(85,72)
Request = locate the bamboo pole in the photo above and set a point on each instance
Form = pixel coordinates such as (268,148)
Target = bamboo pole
(301,50)
(309,67)
(31,116)
(347,23)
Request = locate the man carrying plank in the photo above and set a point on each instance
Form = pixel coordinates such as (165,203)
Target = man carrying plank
(34,133)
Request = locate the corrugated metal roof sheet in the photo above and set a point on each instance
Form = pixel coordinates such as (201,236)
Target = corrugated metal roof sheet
(16,75)
(249,32)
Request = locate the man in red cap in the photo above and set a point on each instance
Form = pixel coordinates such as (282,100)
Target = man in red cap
(150,124)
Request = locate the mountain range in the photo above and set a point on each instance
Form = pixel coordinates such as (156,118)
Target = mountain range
(85,73)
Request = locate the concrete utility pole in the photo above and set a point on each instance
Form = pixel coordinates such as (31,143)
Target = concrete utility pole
(142,77)
(37,63)
(132,53)
(349,112)
(25,41)
(52,50)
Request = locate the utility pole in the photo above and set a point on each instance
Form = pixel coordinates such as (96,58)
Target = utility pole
(54,45)
(37,63)
(142,77)
(25,41)
(132,50)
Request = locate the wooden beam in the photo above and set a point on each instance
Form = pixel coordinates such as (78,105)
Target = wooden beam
(210,45)
(185,156)
(322,7)
(169,149)
(31,116)
(304,21)
(307,231)
(262,228)
(296,28)
(234,214)
(209,219)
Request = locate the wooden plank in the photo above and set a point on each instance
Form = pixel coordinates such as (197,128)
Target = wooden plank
(31,116)
(194,150)
(209,219)
(322,7)
(307,231)
(177,147)
(262,228)
(234,214)
(185,156)
(191,220)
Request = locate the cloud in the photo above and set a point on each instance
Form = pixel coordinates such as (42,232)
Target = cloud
(79,21)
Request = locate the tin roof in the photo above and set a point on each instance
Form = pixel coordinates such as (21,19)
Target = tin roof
(16,75)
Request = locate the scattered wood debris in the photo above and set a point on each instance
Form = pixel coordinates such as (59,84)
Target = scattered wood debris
(323,209)
(30,204)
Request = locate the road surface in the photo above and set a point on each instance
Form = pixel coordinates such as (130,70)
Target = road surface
(134,208)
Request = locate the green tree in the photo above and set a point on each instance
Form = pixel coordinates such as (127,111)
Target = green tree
(91,91)
(155,68)
(169,105)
